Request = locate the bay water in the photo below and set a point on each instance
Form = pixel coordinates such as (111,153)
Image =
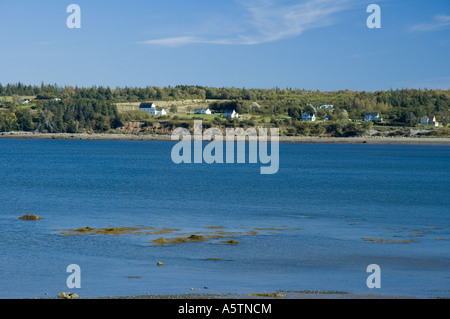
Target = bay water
(316,225)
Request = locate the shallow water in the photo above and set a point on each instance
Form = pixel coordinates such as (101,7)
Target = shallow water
(311,226)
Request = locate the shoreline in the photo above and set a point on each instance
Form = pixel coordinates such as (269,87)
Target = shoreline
(283,295)
(282,139)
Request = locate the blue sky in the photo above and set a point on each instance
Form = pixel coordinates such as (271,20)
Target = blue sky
(305,44)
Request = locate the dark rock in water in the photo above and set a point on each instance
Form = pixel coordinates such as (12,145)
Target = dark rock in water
(196,238)
(231,242)
(85,229)
(160,241)
(30,217)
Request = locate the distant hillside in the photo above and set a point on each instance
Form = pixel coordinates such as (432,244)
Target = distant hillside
(98,109)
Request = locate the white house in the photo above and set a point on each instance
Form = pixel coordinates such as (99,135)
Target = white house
(373,117)
(26,101)
(146,106)
(231,114)
(202,111)
(326,107)
(429,121)
(309,117)
(151,109)
(157,111)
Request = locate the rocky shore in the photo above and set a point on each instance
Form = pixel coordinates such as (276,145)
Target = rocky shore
(282,139)
(290,295)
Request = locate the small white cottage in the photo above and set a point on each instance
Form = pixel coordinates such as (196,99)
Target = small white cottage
(151,109)
(429,121)
(202,111)
(373,117)
(308,117)
(231,114)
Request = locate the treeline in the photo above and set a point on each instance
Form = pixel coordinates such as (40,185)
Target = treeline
(68,116)
(134,94)
(363,100)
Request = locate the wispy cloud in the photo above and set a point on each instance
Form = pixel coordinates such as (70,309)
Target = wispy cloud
(266,21)
(184,40)
(173,42)
(439,22)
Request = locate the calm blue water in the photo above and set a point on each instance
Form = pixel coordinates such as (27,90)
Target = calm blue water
(300,229)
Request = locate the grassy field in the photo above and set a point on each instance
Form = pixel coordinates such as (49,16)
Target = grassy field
(9,99)
(199,116)
(182,106)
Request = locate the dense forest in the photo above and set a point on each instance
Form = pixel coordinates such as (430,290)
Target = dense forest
(70,109)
